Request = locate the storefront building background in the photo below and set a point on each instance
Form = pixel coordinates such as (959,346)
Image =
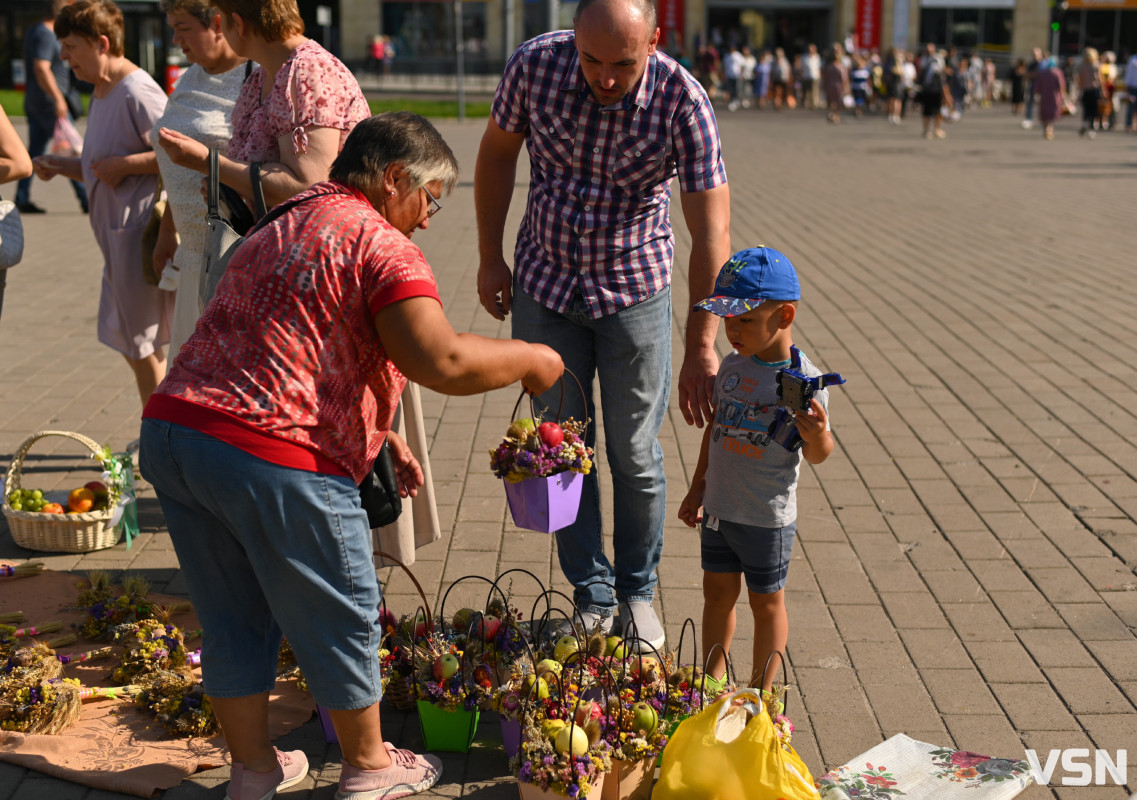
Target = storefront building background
(1004,30)
(422,32)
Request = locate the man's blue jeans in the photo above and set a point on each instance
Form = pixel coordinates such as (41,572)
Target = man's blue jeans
(630,353)
(39,135)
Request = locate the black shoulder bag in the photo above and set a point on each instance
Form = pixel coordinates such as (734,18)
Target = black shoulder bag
(379,492)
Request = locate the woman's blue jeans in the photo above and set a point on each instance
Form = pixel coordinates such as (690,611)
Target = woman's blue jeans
(630,353)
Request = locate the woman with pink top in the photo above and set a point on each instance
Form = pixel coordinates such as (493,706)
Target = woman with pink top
(294,112)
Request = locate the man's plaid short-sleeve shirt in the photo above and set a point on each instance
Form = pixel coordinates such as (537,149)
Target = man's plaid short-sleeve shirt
(597,218)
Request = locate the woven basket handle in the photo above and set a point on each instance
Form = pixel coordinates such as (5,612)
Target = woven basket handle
(16,468)
(560,405)
(414,580)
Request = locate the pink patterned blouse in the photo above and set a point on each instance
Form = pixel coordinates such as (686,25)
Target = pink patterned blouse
(312,89)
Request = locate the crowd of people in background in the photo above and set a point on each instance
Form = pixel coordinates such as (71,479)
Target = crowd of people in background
(942,83)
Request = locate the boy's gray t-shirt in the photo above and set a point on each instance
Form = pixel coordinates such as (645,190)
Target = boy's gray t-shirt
(750,479)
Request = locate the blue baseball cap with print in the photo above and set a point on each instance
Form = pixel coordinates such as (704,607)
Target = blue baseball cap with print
(750,277)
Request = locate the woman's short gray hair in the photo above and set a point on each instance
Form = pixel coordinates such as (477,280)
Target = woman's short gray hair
(202,10)
(395,137)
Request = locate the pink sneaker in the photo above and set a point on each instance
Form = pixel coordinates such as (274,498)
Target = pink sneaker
(245,784)
(408,774)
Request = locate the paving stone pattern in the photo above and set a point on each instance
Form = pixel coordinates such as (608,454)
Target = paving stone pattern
(965,562)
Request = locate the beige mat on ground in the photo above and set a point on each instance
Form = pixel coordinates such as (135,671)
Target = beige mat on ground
(904,767)
(114,745)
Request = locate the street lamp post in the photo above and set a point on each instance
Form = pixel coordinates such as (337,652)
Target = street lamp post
(460,54)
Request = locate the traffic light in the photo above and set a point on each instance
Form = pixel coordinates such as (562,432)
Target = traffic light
(1057,12)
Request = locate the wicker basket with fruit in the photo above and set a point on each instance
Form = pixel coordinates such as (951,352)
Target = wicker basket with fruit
(85,525)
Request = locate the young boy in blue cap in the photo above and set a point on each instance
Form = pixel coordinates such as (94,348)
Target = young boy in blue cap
(746,481)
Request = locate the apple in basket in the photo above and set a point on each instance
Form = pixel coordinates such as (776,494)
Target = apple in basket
(101,492)
(551,434)
(445,666)
(462,619)
(571,738)
(534,687)
(521,429)
(487,628)
(548,666)
(615,647)
(644,718)
(565,647)
(51,508)
(551,727)
(646,668)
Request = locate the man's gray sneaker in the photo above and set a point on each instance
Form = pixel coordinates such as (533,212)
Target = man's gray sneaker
(642,623)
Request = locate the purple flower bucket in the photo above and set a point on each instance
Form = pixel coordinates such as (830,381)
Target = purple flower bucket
(545,504)
(326,724)
(511,736)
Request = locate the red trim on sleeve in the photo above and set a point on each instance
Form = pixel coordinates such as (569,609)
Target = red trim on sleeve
(402,291)
(239,433)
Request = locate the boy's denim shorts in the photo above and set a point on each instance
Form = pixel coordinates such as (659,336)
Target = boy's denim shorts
(761,554)
(267,549)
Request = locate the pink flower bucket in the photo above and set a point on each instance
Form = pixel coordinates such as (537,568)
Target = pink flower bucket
(545,504)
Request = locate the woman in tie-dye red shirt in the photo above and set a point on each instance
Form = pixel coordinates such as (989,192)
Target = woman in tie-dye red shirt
(274,411)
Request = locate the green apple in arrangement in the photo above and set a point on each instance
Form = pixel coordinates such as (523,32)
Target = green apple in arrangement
(552,727)
(445,667)
(535,688)
(521,429)
(462,619)
(565,647)
(644,718)
(615,647)
(571,738)
(546,667)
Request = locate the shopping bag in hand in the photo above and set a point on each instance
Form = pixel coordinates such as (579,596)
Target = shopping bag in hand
(66,141)
(729,751)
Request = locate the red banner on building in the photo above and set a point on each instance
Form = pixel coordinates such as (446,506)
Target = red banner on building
(868,24)
(670,17)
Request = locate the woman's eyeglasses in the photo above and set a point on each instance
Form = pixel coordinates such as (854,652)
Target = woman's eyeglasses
(435,206)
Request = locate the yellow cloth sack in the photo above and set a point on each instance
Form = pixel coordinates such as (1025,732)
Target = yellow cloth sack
(729,751)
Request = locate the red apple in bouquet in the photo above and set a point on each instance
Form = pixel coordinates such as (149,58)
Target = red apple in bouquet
(551,434)
(445,667)
(414,626)
(487,628)
(102,494)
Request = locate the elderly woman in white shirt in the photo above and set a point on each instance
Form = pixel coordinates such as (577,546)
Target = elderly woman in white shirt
(201,106)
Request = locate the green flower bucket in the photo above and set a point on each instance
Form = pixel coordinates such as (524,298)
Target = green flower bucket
(447,731)
(675,720)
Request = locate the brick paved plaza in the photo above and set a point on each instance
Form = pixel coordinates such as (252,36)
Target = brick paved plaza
(965,569)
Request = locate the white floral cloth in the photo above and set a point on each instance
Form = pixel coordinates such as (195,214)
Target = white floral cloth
(904,767)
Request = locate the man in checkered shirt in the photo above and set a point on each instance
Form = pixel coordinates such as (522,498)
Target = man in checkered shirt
(608,122)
